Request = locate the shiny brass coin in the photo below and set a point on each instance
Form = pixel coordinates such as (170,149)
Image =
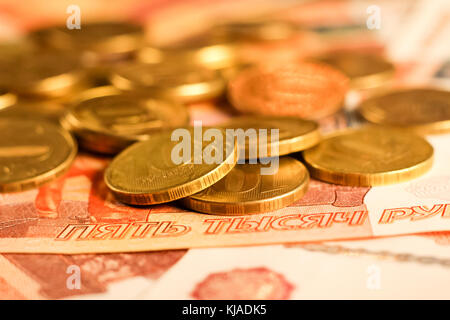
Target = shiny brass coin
(107,120)
(183,84)
(365,70)
(7,99)
(210,52)
(44,74)
(294,135)
(423,110)
(152,171)
(100,38)
(32,153)
(246,191)
(369,156)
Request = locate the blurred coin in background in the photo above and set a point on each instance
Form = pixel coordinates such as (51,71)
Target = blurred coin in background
(41,73)
(365,70)
(423,110)
(262,30)
(205,50)
(304,90)
(7,99)
(176,82)
(106,120)
(97,41)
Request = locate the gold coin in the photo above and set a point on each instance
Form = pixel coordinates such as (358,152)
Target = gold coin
(51,109)
(180,83)
(422,110)
(45,74)
(370,156)
(246,191)
(210,52)
(107,120)
(100,38)
(32,153)
(146,173)
(294,135)
(256,30)
(365,70)
(7,99)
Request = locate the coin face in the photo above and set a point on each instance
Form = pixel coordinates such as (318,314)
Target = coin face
(48,74)
(184,84)
(304,90)
(369,157)
(108,120)
(294,134)
(365,70)
(246,191)
(148,173)
(422,110)
(32,152)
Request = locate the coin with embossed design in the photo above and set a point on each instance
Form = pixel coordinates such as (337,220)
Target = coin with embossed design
(32,153)
(107,120)
(423,110)
(169,166)
(304,90)
(247,189)
(369,156)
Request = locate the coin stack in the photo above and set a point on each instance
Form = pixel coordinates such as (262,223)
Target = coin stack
(124,98)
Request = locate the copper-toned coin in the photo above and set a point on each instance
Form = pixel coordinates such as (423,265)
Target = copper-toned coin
(246,191)
(177,82)
(305,90)
(107,120)
(365,70)
(32,152)
(294,135)
(370,156)
(423,110)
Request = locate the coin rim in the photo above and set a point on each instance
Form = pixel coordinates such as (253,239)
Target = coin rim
(253,206)
(171,193)
(88,135)
(216,87)
(367,179)
(289,145)
(50,175)
(436,127)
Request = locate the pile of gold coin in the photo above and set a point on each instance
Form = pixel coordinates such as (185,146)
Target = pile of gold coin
(105,88)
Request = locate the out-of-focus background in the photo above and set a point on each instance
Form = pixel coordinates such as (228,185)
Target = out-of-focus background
(410,31)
